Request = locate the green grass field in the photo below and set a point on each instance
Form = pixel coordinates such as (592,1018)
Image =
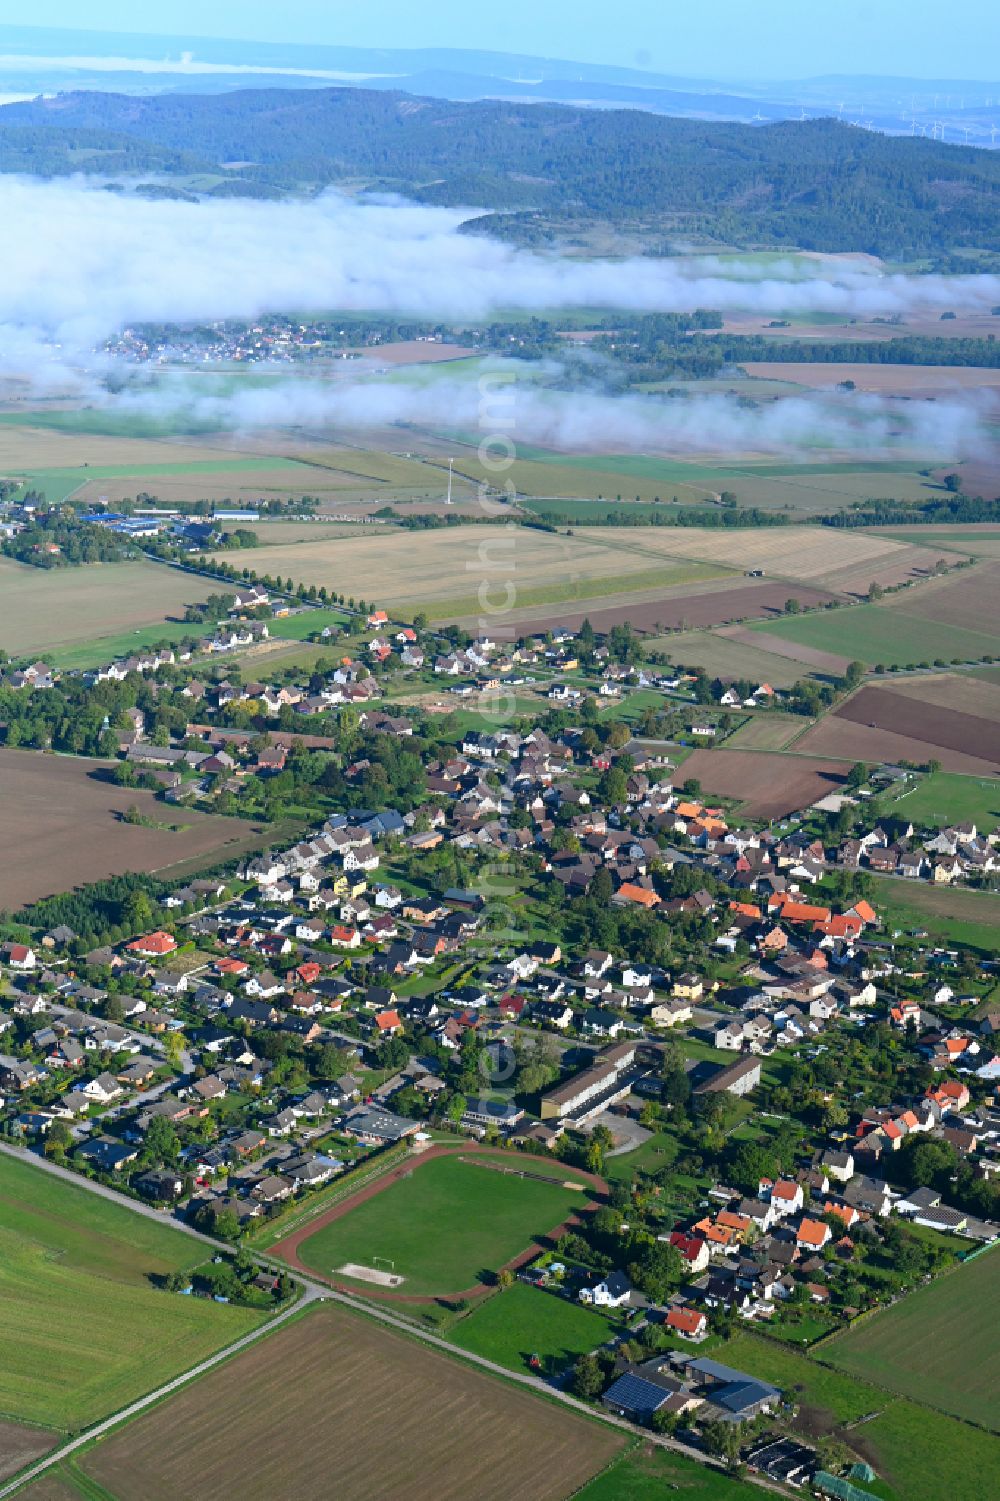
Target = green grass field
(948,797)
(512,1326)
(446,1227)
(84,1329)
(922,1455)
(771,731)
(949,915)
(647,1474)
(721,656)
(839,1398)
(300,627)
(935,1345)
(925,1456)
(57,484)
(874,634)
(104,649)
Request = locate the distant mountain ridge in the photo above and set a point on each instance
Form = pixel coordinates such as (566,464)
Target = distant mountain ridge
(818,184)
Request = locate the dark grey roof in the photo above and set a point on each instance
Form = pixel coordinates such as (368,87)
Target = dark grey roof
(636,1395)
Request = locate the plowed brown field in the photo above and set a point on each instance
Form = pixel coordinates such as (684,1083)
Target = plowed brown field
(766,785)
(332,1405)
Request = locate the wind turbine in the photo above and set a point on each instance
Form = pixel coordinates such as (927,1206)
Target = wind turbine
(993,135)
(965,129)
(451,470)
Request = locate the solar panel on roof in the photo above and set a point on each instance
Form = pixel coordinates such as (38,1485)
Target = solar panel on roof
(636,1395)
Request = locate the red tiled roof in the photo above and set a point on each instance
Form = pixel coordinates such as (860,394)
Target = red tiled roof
(685,1320)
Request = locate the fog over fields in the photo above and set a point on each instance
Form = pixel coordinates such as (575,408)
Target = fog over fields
(85,261)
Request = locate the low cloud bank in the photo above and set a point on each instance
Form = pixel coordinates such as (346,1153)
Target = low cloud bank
(587,422)
(78,262)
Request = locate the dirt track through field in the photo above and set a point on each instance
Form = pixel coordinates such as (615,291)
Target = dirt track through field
(288,1248)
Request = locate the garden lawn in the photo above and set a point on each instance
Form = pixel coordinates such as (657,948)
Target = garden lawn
(935,1345)
(85,1330)
(659,1152)
(446,1227)
(306,623)
(512,1326)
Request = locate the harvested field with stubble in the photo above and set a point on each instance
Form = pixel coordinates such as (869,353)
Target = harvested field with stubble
(442,570)
(968,692)
(387,1417)
(24,448)
(769,731)
(62,826)
(726,654)
(980,540)
(966,599)
(887,380)
(808,553)
(809,656)
(45,609)
(766,785)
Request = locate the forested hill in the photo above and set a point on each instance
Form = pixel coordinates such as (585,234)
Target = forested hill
(818,184)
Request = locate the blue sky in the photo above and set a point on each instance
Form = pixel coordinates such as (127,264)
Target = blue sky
(725,38)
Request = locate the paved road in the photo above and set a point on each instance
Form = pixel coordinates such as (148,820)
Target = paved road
(312,1292)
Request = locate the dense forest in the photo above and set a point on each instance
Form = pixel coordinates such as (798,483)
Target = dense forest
(818,184)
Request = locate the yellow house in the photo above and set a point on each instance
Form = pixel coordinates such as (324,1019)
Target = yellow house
(688,988)
(349,884)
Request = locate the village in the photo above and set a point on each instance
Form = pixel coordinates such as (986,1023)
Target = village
(542,941)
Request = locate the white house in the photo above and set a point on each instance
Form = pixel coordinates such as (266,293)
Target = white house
(614,1290)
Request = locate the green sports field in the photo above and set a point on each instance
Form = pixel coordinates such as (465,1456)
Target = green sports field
(512,1326)
(84,1329)
(936,1345)
(446,1227)
(949,797)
